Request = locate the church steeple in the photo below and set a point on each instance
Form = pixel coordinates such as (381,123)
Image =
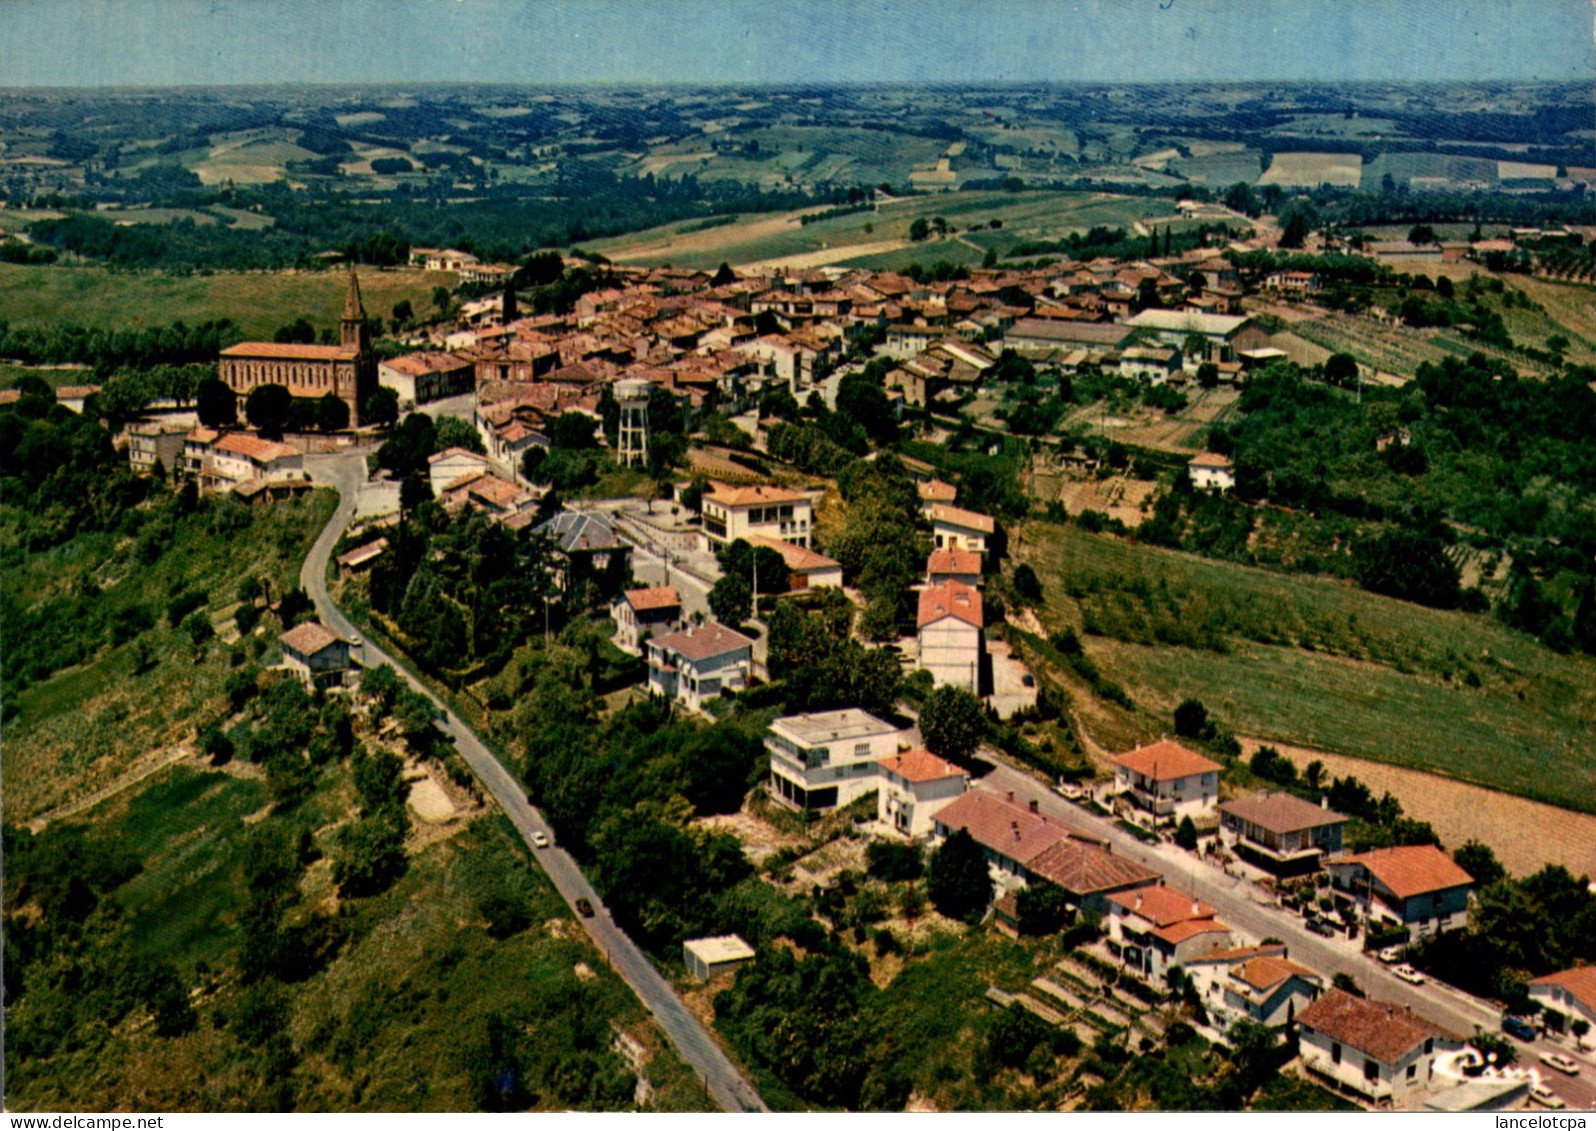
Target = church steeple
(353,326)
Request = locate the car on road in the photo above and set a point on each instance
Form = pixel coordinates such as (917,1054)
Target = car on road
(1389,955)
(539,840)
(1544,1096)
(1322,927)
(1564,1064)
(1408,974)
(584,908)
(1518,1027)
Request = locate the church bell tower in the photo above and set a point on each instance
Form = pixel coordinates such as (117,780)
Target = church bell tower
(354,334)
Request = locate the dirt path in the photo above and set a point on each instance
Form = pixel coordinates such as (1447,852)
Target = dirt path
(133,777)
(829,255)
(1524,834)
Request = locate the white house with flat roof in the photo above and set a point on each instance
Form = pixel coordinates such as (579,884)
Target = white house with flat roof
(719,954)
(823,760)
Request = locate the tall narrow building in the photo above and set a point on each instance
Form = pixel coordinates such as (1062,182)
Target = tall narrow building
(347,370)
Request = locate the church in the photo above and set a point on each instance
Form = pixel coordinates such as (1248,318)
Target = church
(347,370)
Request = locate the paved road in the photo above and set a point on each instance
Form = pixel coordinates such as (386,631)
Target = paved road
(1233,899)
(726,1084)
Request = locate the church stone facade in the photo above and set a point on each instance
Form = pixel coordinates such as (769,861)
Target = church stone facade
(347,370)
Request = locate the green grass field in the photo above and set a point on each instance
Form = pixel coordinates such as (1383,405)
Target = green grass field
(1321,663)
(86,724)
(260,302)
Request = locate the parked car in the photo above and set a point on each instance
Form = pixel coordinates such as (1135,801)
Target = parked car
(539,840)
(584,908)
(1563,1064)
(1389,955)
(1544,1096)
(1518,1027)
(1322,927)
(1408,974)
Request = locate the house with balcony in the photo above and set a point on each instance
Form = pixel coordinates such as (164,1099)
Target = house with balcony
(1155,927)
(1168,780)
(697,664)
(236,458)
(954,528)
(1381,1051)
(830,758)
(1414,885)
(913,786)
(317,655)
(731,513)
(1280,832)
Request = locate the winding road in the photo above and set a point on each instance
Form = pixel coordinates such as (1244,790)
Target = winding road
(727,1086)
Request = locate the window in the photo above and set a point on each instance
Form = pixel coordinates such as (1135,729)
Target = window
(1335,1052)
(1429,1046)
(1371,1069)
(1413,1071)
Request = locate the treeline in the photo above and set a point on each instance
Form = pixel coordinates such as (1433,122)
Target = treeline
(68,343)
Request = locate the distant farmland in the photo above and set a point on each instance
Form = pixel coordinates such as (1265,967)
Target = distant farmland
(1022,216)
(1309,170)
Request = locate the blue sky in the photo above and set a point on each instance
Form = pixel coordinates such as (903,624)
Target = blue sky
(157,42)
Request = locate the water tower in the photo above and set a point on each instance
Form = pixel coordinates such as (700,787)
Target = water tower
(632,443)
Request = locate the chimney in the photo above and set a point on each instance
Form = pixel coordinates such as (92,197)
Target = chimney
(1017,835)
(1196,908)
(1324,801)
(1011,795)
(1138,901)
(1035,805)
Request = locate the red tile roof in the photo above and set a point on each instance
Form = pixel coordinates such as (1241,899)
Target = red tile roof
(1007,828)
(1580,981)
(290,351)
(1281,812)
(950,599)
(309,638)
(958,516)
(753,496)
(253,447)
(702,642)
(1269,970)
(1385,1032)
(1166,761)
(954,561)
(1411,869)
(659,597)
(1161,905)
(1083,867)
(937,491)
(1177,933)
(1210,459)
(920,765)
(798,558)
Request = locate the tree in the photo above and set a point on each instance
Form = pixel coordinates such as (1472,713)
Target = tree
(919,229)
(1186,833)
(1313,774)
(215,403)
(1043,908)
(452,432)
(268,408)
(894,862)
(1480,862)
(1341,369)
(1347,983)
(1191,720)
(368,856)
(731,600)
(1026,583)
(1421,234)
(332,414)
(952,722)
(957,880)
(1208,375)
(1408,565)
(381,408)
(403,312)
(299,332)
(1295,230)
(440,300)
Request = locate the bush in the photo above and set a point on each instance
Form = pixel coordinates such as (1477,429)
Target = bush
(894,862)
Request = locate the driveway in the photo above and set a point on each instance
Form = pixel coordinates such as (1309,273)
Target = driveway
(725,1083)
